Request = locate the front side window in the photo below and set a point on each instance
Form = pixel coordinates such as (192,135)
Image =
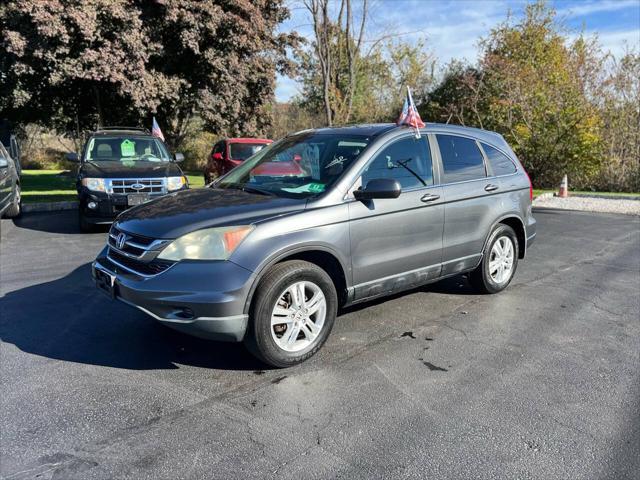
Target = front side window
(219,148)
(298,166)
(126,149)
(461,159)
(407,160)
(500,163)
(242,151)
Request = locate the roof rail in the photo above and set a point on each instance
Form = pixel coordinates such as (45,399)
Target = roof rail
(115,128)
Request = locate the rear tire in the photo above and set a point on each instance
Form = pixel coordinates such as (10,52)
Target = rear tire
(15,209)
(284,331)
(499,261)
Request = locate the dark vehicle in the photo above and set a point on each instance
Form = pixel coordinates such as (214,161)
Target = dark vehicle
(229,153)
(10,142)
(375,210)
(10,197)
(122,167)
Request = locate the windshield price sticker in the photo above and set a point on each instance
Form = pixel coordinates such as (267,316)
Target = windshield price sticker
(128,148)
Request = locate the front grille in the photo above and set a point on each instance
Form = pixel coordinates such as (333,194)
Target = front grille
(143,242)
(139,239)
(152,268)
(142,185)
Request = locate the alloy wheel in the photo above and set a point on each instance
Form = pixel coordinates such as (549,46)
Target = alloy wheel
(298,316)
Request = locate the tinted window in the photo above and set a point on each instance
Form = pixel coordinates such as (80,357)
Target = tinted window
(242,151)
(500,163)
(410,152)
(461,159)
(219,147)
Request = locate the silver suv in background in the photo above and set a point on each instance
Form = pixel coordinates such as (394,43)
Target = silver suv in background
(268,258)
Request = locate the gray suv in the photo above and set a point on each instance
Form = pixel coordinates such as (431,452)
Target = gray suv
(268,258)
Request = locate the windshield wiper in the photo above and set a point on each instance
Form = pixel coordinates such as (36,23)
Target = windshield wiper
(258,190)
(403,164)
(244,188)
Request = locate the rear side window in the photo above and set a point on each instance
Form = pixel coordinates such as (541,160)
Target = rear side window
(461,159)
(412,153)
(500,163)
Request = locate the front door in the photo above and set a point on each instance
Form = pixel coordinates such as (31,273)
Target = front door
(396,243)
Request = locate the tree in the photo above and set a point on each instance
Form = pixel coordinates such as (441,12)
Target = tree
(369,88)
(75,64)
(536,89)
(336,46)
(620,107)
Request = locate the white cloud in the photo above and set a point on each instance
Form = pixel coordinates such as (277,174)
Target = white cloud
(589,8)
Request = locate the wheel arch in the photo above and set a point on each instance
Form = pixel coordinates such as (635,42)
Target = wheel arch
(516,223)
(318,255)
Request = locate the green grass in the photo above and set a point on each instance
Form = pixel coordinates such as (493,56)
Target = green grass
(196,179)
(47,186)
(50,186)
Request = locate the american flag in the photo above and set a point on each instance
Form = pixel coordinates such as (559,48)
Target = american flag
(410,115)
(155,130)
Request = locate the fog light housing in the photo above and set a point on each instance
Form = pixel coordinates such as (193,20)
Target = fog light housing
(92,205)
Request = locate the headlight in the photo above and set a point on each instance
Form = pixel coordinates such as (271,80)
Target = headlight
(94,184)
(207,244)
(176,183)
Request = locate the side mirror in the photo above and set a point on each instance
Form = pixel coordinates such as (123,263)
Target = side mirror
(217,156)
(179,157)
(379,188)
(72,157)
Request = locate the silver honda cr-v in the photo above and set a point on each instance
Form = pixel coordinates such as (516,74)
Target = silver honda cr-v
(318,220)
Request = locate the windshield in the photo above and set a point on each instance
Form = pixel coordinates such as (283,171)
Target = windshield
(126,149)
(298,166)
(242,151)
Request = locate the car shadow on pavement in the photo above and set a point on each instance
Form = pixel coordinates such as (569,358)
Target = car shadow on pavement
(63,222)
(68,319)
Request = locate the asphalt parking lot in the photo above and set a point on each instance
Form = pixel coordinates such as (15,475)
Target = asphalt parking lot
(540,381)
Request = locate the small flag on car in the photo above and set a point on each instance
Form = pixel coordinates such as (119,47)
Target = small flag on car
(409,115)
(155,130)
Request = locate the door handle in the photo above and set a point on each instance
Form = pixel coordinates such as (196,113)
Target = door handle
(429,197)
(491,187)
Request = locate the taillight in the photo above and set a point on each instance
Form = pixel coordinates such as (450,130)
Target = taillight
(530,185)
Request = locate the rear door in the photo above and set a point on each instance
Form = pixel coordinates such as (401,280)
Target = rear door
(396,243)
(470,201)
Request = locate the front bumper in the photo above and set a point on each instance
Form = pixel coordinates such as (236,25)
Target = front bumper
(108,205)
(204,299)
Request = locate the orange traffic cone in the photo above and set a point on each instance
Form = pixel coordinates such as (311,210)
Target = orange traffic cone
(564,188)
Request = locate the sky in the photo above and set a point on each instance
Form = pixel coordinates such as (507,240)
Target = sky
(451,28)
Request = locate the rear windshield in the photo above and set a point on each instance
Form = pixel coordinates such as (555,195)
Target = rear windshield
(126,149)
(242,151)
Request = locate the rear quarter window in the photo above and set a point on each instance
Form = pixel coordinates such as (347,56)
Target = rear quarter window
(500,163)
(461,159)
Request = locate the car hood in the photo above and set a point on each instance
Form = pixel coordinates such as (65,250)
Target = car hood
(182,212)
(138,169)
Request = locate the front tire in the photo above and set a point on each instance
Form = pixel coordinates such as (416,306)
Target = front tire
(292,314)
(499,261)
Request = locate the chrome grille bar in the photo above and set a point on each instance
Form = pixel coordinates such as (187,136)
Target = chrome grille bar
(136,185)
